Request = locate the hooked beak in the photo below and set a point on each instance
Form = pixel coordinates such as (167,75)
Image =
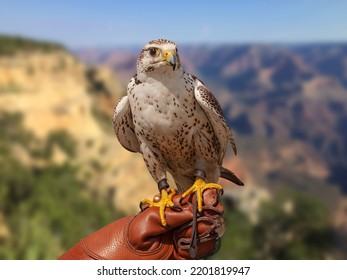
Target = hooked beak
(170,58)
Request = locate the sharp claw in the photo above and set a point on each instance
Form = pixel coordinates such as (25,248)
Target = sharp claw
(180,201)
(176,208)
(143,206)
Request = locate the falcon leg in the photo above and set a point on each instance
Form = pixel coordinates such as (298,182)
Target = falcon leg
(199,186)
(165,200)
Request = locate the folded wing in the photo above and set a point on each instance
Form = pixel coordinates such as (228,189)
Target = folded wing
(124,127)
(215,115)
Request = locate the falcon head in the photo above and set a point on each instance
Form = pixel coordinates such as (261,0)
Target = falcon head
(158,54)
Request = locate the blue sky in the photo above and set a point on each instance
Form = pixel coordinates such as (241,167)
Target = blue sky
(120,23)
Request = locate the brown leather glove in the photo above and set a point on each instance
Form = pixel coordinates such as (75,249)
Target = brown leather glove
(142,237)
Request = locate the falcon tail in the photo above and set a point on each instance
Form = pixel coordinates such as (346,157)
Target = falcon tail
(227,174)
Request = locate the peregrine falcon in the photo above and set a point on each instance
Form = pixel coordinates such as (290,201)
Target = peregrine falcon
(174,121)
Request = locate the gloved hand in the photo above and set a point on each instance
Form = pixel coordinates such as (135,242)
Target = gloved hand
(142,236)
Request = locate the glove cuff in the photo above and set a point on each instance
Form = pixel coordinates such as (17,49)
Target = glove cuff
(112,243)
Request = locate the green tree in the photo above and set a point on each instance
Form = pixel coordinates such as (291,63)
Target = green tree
(300,231)
(10,45)
(292,225)
(47,209)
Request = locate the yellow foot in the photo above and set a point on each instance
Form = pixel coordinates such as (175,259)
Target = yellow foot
(199,187)
(164,201)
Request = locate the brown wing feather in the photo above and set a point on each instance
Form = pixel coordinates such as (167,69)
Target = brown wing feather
(124,127)
(215,114)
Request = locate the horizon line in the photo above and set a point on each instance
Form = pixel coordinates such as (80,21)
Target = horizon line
(70,46)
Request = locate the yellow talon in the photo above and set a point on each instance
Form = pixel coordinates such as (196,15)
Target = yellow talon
(164,201)
(198,187)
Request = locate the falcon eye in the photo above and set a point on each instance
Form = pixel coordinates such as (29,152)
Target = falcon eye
(153,51)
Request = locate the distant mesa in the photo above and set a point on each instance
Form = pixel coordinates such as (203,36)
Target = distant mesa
(10,45)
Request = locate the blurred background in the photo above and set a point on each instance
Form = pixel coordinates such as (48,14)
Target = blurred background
(278,68)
